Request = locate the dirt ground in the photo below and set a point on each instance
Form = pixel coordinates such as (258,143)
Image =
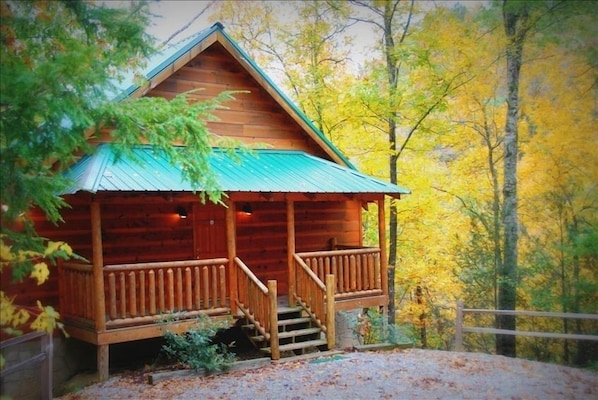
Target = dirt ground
(398,374)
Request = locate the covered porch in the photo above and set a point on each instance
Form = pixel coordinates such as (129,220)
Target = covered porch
(105,303)
(158,254)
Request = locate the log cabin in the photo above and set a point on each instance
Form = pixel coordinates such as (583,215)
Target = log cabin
(290,225)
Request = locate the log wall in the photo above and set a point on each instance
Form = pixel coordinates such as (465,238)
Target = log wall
(317,222)
(142,228)
(253,118)
(261,236)
(75,230)
(147,228)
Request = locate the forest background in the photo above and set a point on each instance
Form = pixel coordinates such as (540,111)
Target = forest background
(440,114)
(485,110)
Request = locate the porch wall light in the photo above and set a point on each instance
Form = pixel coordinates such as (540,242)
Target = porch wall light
(182,211)
(247,210)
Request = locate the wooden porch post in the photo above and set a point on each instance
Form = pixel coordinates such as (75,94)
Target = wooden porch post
(291,250)
(330,312)
(382,244)
(98,285)
(231,246)
(272,299)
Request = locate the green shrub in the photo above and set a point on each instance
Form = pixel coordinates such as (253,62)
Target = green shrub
(195,348)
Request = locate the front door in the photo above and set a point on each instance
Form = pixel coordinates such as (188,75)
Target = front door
(209,231)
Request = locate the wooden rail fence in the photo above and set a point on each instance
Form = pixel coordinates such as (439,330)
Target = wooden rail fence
(44,357)
(460,328)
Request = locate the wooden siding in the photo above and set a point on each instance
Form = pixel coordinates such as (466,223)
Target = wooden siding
(145,232)
(317,222)
(140,228)
(261,241)
(261,236)
(253,118)
(75,230)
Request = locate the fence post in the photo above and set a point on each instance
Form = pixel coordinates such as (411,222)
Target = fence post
(46,371)
(459,327)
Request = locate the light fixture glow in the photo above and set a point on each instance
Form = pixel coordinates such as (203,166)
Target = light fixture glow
(182,211)
(247,209)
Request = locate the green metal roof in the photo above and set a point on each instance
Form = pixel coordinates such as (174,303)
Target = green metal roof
(261,171)
(170,55)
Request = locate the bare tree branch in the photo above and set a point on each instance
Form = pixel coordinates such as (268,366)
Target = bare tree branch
(187,25)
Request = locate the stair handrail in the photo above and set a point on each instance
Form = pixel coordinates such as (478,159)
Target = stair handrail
(251,275)
(316,298)
(309,272)
(259,304)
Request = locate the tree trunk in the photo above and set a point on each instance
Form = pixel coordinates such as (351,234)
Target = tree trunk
(423,333)
(393,72)
(515,25)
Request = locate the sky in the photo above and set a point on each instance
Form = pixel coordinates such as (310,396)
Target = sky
(172,15)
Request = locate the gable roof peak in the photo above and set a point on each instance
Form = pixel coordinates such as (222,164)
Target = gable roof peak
(166,63)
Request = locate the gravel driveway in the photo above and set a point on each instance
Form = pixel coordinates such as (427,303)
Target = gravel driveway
(399,374)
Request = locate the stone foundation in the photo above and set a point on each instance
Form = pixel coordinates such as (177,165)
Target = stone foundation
(345,322)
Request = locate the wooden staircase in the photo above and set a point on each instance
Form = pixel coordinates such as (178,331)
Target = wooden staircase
(297,334)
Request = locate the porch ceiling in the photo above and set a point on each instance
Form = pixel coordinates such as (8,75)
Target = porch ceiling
(262,171)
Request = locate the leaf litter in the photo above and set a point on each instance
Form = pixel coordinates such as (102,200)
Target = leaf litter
(412,373)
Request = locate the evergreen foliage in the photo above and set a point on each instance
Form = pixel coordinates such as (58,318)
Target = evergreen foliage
(61,65)
(195,348)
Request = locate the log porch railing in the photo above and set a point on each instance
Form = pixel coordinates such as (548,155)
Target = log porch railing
(76,292)
(142,293)
(139,294)
(316,298)
(259,305)
(357,271)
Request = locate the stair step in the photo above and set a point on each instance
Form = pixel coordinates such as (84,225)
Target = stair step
(282,322)
(292,321)
(298,345)
(287,310)
(289,334)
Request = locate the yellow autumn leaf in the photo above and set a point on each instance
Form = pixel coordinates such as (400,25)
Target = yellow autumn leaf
(40,272)
(67,249)
(20,317)
(5,253)
(52,247)
(7,309)
(46,321)
(56,246)
(10,315)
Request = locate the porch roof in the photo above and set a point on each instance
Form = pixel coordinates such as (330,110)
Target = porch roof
(259,171)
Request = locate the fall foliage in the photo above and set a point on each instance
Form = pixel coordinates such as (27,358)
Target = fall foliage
(429,109)
(450,108)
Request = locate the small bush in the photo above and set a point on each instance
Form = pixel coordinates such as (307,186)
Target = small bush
(195,348)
